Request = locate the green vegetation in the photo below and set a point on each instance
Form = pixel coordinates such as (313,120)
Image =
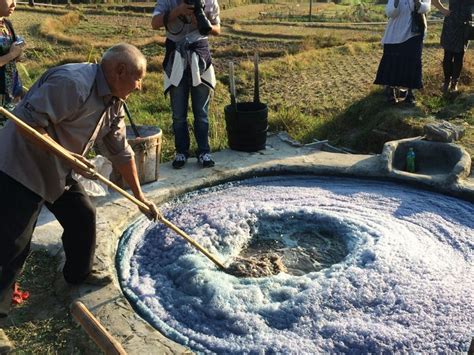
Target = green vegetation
(316,78)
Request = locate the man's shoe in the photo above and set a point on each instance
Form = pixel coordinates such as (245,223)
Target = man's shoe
(97,278)
(6,345)
(179,161)
(205,160)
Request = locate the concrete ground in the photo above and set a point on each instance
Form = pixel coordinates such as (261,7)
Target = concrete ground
(282,155)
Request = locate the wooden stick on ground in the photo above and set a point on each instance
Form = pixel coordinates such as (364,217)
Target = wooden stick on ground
(96,331)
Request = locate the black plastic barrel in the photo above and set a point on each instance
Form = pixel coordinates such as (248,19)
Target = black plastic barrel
(247,128)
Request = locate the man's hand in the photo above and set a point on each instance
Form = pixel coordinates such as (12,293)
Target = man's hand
(90,172)
(153,214)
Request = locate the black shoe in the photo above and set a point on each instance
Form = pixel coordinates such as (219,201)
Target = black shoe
(205,160)
(179,161)
(97,278)
(445,87)
(410,99)
(454,86)
(390,94)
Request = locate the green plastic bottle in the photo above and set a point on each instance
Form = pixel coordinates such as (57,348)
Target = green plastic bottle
(411,160)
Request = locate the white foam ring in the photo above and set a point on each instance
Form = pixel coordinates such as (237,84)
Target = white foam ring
(406,285)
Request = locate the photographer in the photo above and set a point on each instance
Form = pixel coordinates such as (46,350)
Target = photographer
(188,69)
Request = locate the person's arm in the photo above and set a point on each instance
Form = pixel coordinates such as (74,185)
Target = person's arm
(182,9)
(443,9)
(14,52)
(212,13)
(114,145)
(128,170)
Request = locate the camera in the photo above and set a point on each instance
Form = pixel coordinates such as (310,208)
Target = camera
(203,24)
(19,41)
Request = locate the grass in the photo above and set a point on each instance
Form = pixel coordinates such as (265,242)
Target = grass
(326,12)
(42,324)
(316,79)
(322,70)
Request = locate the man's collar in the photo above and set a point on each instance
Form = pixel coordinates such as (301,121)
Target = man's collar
(103,88)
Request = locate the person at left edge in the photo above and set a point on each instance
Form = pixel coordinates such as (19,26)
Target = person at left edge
(74,104)
(11,49)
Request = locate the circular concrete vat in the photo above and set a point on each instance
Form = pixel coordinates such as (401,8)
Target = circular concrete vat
(366,259)
(116,314)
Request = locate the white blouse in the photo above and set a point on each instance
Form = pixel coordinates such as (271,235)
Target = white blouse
(399,24)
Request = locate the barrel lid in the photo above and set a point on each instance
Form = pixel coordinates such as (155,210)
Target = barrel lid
(145,131)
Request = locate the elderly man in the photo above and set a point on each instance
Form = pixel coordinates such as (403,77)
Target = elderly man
(74,104)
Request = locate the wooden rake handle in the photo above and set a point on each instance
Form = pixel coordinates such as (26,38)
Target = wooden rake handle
(66,155)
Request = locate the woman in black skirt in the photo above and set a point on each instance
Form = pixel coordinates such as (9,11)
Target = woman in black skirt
(400,66)
(453,39)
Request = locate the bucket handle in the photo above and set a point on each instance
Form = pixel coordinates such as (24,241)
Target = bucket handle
(132,124)
(233,98)
(256,88)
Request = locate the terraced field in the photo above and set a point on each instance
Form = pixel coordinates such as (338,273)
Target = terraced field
(311,72)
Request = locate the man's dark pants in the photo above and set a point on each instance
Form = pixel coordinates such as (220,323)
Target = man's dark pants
(19,210)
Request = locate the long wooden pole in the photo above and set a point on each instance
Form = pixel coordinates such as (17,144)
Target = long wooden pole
(65,154)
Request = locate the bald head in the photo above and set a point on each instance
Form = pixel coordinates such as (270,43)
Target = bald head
(124,67)
(126,54)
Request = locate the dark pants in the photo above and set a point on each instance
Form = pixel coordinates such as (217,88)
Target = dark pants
(200,98)
(19,210)
(452,65)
